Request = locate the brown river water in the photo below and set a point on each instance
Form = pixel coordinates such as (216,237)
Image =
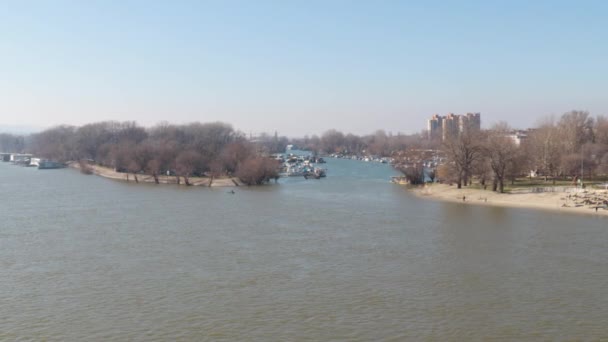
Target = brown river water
(347,258)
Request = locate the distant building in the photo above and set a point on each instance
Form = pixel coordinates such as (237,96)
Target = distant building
(443,127)
(434,127)
(469,121)
(518,136)
(451,126)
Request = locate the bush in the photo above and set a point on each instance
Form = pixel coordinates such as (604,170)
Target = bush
(257,170)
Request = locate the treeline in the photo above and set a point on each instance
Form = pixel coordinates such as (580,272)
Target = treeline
(12,143)
(378,144)
(196,149)
(572,147)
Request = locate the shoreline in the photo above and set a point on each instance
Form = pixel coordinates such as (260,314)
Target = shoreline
(143,178)
(552,201)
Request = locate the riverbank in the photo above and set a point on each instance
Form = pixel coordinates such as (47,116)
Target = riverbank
(142,178)
(556,201)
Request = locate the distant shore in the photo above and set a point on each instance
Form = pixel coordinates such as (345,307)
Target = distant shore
(556,201)
(162,179)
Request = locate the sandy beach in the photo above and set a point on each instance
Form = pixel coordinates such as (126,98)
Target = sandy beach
(581,203)
(129,177)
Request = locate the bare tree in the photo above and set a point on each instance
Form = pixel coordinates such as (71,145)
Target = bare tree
(576,129)
(414,173)
(463,151)
(379,144)
(332,141)
(447,173)
(483,171)
(544,148)
(501,152)
(154,167)
(234,154)
(600,130)
(603,164)
(11,143)
(257,170)
(186,163)
(56,143)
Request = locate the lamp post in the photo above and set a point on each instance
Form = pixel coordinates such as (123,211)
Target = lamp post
(582,167)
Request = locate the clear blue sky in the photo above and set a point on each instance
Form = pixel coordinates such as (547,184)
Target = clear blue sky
(300,67)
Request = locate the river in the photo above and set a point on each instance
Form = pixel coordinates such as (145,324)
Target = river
(350,257)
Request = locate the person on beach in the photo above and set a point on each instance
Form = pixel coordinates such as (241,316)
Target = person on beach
(464,198)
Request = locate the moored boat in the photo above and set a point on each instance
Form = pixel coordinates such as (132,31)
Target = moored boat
(48,164)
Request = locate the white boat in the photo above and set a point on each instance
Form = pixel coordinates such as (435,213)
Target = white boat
(34,162)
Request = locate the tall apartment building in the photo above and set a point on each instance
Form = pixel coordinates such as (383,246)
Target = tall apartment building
(469,121)
(434,126)
(442,127)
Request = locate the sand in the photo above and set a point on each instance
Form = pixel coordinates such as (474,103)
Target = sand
(556,201)
(194,181)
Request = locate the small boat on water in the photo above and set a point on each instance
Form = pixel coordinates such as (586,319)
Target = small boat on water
(302,166)
(34,162)
(293,170)
(400,180)
(315,173)
(48,164)
(20,159)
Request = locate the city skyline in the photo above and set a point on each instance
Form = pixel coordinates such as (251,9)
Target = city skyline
(442,127)
(299,69)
